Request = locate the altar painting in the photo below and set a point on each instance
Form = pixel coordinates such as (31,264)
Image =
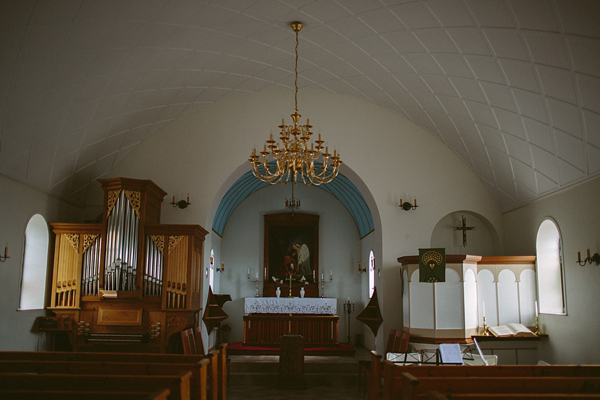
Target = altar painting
(291,250)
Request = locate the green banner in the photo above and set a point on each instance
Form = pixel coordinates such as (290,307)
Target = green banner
(432,265)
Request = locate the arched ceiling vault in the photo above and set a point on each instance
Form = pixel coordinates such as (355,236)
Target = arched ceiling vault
(511,86)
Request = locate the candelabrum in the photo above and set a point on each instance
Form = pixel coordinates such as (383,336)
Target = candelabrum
(323,282)
(256,281)
(484,328)
(348,309)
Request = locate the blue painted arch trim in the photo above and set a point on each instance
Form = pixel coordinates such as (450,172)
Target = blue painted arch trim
(341,188)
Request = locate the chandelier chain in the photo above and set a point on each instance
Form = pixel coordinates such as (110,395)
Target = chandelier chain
(296,75)
(294,160)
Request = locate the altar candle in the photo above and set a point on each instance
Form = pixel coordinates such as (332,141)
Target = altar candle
(330,274)
(415,201)
(400,202)
(536,309)
(248,271)
(483,308)
(256,274)
(322,277)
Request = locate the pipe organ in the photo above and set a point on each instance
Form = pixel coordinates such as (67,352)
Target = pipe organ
(129,282)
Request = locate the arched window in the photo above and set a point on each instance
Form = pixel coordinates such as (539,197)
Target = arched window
(550,273)
(371,273)
(35,264)
(211,270)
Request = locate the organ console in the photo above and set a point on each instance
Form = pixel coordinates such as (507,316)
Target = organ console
(129,282)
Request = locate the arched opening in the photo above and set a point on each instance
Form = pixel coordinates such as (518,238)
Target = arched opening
(35,264)
(550,271)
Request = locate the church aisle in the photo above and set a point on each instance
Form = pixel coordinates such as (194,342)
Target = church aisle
(327,378)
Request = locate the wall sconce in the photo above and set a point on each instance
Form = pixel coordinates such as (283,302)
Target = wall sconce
(589,259)
(181,203)
(5,256)
(361,269)
(222,269)
(406,206)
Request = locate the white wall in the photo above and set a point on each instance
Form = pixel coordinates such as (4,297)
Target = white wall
(393,157)
(18,203)
(572,338)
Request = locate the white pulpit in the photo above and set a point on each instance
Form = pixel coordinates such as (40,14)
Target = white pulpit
(502,288)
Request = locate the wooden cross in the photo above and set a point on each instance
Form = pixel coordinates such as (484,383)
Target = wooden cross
(464,228)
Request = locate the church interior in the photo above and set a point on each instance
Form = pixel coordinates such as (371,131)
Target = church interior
(463,130)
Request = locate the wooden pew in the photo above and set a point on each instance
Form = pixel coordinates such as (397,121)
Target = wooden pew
(198,382)
(374,377)
(74,395)
(393,384)
(216,368)
(179,385)
(434,395)
(414,388)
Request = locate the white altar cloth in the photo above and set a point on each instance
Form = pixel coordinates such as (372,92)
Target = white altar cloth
(294,305)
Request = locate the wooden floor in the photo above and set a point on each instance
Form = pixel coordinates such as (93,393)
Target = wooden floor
(327,378)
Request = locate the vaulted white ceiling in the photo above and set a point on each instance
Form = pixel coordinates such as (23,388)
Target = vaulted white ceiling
(511,86)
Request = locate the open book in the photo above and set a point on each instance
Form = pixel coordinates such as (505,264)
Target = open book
(517,330)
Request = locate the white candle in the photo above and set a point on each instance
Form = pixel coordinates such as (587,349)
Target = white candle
(248,271)
(322,277)
(331,273)
(483,308)
(256,274)
(536,309)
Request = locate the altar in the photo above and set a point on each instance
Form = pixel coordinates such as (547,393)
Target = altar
(266,319)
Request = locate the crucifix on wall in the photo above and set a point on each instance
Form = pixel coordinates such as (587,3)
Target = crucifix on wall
(464,228)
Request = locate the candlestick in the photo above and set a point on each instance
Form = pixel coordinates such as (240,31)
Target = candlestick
(484,328)
(323,282)
(255,281)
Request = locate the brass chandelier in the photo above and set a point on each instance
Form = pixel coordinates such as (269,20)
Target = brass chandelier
(294,160)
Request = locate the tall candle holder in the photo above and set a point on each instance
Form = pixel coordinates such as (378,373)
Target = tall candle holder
(348,309)
(484,328)
(256,281)
(323,282)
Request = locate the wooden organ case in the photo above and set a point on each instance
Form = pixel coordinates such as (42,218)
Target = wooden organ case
(129,283)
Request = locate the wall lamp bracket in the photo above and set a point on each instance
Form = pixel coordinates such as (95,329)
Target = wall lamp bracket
(406,206)
(595,259)
(181,203)
(5,256)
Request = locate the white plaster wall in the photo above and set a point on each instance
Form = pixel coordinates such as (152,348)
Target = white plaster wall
(573,338)
(393,157)
(18,203)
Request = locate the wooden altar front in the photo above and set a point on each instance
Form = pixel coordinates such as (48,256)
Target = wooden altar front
(267,319)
